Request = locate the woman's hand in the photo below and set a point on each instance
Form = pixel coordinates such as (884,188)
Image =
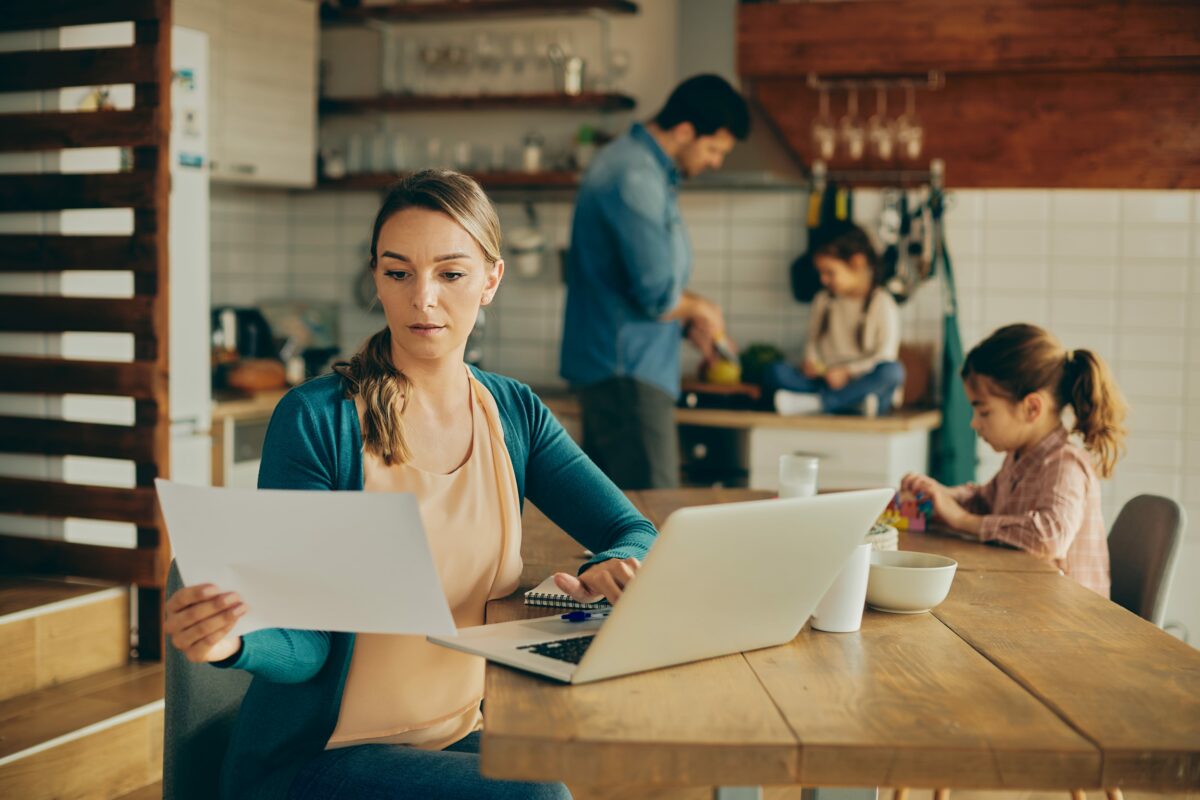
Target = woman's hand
(811,369)
(199,619)
(607,579)
(837,377)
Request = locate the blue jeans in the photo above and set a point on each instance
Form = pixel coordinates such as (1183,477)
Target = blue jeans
(392,772)
(881,381)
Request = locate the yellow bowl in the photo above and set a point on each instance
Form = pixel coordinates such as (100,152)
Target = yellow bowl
(905,582)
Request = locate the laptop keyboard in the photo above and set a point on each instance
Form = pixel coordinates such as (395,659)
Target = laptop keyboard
(569,650)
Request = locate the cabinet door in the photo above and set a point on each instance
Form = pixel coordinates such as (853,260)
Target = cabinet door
(265,101)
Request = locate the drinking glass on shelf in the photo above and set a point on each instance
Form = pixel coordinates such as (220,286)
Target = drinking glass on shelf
(824,134)
(850,128)
(909,133)
(355,154)
(401,153)
(487,56)
(520,58)
(880,129)
(463,162)
(618,67)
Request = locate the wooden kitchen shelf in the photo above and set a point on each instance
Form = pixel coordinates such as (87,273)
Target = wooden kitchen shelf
(541,101)
(452,10)
(488,180)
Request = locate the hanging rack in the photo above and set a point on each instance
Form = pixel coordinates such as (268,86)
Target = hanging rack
(933,80)
(934,177)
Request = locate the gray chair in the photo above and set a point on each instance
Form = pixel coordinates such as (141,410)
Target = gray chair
(1142,547)
(201,705)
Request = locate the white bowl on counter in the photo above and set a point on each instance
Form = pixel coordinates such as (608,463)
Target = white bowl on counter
(904,582)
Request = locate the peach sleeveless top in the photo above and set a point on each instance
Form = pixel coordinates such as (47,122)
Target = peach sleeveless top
(402,689)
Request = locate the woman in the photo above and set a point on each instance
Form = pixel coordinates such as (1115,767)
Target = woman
(331,714)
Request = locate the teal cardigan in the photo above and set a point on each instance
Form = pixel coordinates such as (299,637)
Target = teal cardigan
(314,442)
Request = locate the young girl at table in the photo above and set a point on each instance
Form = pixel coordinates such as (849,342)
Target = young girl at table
(1046,497)
(369,716)
(853,345)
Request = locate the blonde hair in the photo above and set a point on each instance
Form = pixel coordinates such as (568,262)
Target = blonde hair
(370,374)
(1021,359)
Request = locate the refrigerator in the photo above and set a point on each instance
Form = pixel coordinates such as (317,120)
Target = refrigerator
(189,334)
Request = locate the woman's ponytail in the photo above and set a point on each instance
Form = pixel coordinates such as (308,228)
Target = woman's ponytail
(385,391)
(1098,405)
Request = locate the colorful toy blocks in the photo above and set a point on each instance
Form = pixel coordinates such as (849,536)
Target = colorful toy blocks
(908,512)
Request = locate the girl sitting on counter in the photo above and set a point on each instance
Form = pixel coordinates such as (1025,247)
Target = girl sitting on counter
(339,715)
(853,346)
(1046,497)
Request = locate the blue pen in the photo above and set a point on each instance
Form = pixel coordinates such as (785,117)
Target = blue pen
(583,616)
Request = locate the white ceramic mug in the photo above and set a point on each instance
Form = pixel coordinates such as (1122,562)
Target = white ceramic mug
(841,609)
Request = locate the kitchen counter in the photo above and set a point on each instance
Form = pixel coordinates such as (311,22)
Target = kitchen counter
(904,420)
(228,406)
(854,451)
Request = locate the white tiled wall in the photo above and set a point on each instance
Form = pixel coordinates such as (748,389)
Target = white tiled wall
(1116,272)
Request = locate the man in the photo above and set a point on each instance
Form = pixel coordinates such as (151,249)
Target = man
(627,309)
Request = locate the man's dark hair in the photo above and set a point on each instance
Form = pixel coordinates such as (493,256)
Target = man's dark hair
(710,104)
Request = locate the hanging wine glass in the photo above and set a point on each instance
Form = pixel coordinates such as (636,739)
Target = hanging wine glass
(850,128)
(880,130)
(909,133)
(824,134)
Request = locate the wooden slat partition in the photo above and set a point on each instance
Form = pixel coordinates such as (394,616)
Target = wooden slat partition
(27,374)
(23,555)
(35,313)
(55,130)
(145,189)
(33,253)
(62,438)
(61,13)
(93,190)
(54,498)
(25,71)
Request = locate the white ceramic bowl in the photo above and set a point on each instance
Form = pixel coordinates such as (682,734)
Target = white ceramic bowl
(904,582)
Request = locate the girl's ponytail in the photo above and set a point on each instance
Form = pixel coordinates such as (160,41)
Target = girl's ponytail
(1021,359)
(1099,407)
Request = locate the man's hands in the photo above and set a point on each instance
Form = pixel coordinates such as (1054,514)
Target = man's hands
(704,321)
(607,579)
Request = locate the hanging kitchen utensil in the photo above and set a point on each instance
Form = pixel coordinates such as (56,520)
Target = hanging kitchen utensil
(851,131)
(909,133)
(824,133)
(881,130)
(527,244)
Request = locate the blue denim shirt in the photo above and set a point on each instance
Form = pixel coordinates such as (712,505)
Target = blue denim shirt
(630,261)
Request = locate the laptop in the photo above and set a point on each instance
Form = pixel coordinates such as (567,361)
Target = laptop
(720,579)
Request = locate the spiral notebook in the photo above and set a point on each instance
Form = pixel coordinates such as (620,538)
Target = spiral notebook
(547,593)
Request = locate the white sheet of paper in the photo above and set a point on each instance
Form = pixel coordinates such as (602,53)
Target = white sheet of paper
(329,561)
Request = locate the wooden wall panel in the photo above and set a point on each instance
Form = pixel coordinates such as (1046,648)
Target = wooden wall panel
(904,36)
(1110,130)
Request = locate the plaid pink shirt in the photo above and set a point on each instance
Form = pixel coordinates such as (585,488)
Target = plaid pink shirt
(1047,503)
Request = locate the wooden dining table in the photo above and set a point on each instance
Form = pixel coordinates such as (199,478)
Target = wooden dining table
(1020,679)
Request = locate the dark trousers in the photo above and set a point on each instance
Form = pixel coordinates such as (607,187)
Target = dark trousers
(629,431)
